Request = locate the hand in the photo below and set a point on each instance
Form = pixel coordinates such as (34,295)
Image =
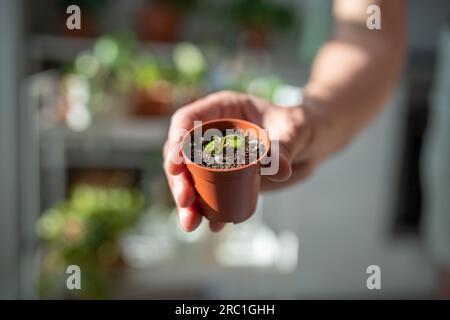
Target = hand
(294,135)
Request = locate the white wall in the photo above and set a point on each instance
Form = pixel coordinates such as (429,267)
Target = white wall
(343,217)
(9,258)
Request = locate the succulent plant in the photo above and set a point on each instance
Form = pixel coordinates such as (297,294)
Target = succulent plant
(218,144)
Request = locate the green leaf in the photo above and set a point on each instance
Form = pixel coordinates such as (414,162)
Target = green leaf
(235,141)
(211,146)
(189,61)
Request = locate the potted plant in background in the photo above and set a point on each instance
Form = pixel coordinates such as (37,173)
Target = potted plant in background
(225,174)
(84,231)
(151,94)
(114,78)
(258,19)
(160,86)
(190,73)
(160,20)
(96,82)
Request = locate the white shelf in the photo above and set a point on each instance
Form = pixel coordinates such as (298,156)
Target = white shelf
(64,49)
(124,134)
(121,143)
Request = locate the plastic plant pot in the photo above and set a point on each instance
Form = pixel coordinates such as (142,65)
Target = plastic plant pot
(226,195)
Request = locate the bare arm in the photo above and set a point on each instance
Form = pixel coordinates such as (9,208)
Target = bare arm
(354,72)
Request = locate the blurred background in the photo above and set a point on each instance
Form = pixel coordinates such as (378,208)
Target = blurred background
(84,113)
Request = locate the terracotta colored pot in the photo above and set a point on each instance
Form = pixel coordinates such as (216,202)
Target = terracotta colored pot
(159,22)
(154,101)
(226,195)
(256,38)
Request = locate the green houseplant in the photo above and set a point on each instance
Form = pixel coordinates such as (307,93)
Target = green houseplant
(84,231)
(257,19)
(160,20)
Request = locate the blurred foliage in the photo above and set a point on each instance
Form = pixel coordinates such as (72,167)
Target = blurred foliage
(115,64)
(183,5)
(109,63)
(146,71)
(189,62)
(84,231)
(263,14)
(90,6)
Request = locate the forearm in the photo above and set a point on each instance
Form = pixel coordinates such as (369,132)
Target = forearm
(353,74)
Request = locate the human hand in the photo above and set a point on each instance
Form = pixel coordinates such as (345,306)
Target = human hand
(294,134)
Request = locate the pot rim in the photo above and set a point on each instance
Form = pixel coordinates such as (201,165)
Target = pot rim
(189,161)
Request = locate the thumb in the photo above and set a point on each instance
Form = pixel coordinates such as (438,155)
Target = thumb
(284,171)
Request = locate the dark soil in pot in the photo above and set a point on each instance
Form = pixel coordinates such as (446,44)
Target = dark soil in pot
(228,150)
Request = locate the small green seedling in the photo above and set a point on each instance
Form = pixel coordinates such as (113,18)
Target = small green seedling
(218,143)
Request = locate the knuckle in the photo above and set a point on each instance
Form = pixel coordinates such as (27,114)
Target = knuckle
(224,94)
(247,99)
(178,115)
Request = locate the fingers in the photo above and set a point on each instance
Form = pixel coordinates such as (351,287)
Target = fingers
(189,215)
(214,106)
(181,186)
(183,119)
(284,171)
(189,218)
(182,189)
(216,226)
(173,160)
(183,192)
(300,172)
(177,176)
